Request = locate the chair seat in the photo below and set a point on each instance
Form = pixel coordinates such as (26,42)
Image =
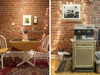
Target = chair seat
(3,50)
(40,49)
(8,49)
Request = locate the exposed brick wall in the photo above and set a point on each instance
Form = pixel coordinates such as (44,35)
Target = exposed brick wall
(13,10)
(91,15)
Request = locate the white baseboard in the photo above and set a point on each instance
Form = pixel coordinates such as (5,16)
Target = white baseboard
(20,54)
(17,52)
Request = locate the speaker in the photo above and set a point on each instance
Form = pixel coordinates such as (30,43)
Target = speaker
(99,35)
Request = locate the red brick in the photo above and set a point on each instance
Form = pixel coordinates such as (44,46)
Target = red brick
(10,11)
(67,28)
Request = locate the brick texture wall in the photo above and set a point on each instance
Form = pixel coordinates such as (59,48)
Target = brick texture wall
(13,11)
(62,32)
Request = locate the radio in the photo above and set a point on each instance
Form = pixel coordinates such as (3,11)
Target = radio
(84,32)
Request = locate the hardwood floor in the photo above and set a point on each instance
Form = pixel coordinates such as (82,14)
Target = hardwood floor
(68,73)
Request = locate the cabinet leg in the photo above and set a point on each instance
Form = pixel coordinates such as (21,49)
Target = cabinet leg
(72,71)
(55,71)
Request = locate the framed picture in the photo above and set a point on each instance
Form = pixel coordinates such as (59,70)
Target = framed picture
(27,20)
(35,20)
(71,12)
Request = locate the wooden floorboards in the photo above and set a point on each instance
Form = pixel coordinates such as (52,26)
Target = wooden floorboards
(53,68)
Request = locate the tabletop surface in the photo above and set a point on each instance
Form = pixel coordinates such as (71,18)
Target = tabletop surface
(25,45)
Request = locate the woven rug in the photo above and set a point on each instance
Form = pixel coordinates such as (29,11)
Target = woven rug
(41,67)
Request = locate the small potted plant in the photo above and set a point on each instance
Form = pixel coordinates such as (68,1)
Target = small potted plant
(26,31)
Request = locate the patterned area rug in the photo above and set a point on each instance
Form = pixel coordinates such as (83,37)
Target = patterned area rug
(41,67)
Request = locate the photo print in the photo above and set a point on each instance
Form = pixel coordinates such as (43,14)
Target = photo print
(26,20)
(71,11)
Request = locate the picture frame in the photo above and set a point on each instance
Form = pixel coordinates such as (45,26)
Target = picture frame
(71,13)
(35,20)
(26,20)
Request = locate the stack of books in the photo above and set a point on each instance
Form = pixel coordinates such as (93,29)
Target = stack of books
(63,53)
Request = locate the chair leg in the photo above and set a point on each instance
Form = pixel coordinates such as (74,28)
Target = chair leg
(35,57)
(47,57)
(44,55)
(2,61)
(34,54)
(39,55)
(12,55)
(5,55)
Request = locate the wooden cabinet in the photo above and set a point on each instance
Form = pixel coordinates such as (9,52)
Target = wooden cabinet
(83,54)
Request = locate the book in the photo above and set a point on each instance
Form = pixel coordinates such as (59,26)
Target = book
(63,53)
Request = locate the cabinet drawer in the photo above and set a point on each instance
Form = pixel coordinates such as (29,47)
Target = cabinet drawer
(84,45)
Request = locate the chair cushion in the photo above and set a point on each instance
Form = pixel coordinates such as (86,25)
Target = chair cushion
(40,49)
(3,50)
